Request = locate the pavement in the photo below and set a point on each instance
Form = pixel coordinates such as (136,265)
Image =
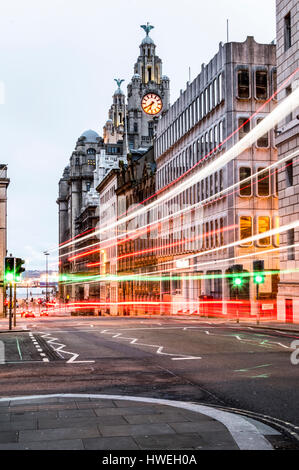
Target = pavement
(109,422)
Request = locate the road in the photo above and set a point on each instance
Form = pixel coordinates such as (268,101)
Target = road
(224,364)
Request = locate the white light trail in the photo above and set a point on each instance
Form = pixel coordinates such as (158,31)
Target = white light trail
(283,109)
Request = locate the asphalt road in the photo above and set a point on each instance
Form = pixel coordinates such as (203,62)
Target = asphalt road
(222,364)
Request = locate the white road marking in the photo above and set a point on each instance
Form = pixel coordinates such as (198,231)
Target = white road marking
(51,340)
(158,347)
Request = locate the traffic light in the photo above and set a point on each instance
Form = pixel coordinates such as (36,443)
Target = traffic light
(19,269)
(258,271)
(9,269)
(237,278)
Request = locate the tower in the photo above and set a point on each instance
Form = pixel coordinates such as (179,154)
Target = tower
(148,94)
(114,128)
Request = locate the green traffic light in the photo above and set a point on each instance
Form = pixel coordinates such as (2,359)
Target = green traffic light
(259,279)
(9,276)
(237,281)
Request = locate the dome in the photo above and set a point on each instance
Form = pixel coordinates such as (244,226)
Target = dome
(164,77)
(136,76)
(90,136)
(147,40)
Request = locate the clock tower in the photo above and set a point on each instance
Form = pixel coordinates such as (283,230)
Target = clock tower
(148,94)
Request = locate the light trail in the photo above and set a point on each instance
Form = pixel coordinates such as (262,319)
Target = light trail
(282,110)
(244,241)
(210,199)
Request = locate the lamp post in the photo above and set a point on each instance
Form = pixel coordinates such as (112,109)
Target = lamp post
(46,254)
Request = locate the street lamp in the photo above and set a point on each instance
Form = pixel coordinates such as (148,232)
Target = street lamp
(46,254)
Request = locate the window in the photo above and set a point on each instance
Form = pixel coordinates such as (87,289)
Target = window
(289,173)
(91,162)
(244,127)
(264,226)
(215,92)
(221,132)
(206,101)
(88,185)
(288,92)
(261,84)
(291,241)
(135,127)
(243,84)
(287,32)
(211,97)
(263,185)
(220,87)
(245,188)
(245,228)
(77,161)
(264,140)
(274,83)
(91,151)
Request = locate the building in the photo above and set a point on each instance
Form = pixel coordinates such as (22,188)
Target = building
(136,255)
(287,141)
(196,254)
(78,203)
(148,95)
(4,182)
(107,266)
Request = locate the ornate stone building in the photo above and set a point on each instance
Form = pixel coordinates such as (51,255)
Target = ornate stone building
(148,95)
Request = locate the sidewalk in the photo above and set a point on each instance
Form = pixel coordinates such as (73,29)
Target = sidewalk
(78,422)
(272,325)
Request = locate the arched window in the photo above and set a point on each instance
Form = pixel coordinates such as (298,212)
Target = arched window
(91,151)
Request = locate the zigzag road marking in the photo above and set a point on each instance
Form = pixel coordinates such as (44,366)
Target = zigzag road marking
(53,341)
(178,357)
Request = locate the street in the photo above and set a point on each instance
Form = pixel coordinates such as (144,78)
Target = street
(208,362)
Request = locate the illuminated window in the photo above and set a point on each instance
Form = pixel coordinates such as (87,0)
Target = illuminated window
(245,188)
(91,162)
(263,185)
(245,228)
(261,84)
(243,84)
(263,226)
(276,237)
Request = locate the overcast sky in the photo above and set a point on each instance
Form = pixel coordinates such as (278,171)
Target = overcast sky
(58,59)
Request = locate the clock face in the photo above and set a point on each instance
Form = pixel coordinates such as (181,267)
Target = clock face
(151,103)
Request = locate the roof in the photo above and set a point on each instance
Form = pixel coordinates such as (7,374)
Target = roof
(90,136)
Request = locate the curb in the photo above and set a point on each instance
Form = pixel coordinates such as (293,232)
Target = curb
(245,434)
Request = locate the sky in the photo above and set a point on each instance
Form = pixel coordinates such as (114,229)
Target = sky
(58,61)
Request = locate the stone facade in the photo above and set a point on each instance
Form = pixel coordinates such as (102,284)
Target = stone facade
(230,88)
(287,141)
(147,78)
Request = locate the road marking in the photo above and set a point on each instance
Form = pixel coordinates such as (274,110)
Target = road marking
(158,347)
(38,348)
(51,340)
(250,368)
(19,349)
